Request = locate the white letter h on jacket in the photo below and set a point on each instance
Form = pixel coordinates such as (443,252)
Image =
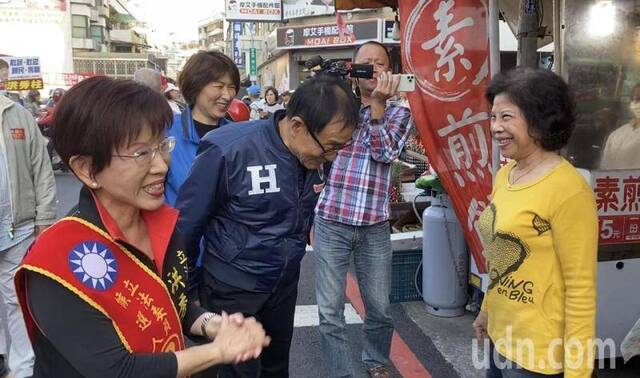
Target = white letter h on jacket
(257,180)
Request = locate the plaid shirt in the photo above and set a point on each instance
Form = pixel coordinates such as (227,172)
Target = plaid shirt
(357,189)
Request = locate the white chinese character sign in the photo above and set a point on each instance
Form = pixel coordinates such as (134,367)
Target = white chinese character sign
(445,44)
(254,10)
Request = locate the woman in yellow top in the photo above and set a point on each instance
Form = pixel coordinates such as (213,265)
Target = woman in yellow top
(540,235)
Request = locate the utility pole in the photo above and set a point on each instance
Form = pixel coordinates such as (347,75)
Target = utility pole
(528,34)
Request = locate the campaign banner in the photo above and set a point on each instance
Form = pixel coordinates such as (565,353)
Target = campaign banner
(618,199)
(445,44)
(22,85)
(254,10)
(328,35)
(306,8)
(20,73)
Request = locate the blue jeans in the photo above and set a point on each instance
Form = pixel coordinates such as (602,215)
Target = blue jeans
(333,247)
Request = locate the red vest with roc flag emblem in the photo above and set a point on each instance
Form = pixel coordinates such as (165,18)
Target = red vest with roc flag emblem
(104,274)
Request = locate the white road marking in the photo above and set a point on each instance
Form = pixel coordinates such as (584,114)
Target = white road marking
(307,316)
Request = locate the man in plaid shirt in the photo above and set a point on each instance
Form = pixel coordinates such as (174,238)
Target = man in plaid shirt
(352,219)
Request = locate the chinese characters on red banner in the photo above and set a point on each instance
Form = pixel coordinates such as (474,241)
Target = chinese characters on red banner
(446,46)
(618,199)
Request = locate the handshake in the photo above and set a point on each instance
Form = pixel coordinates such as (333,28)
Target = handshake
(236,338)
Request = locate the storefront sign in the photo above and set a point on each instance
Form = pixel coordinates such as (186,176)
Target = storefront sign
(255,10)
(618,199)
(328,35)
(238,56)
(305,8)
(446,46)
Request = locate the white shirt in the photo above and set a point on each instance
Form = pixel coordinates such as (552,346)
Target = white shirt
(622,150)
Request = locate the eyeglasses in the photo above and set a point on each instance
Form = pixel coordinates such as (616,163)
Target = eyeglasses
(146,155)
(332,149)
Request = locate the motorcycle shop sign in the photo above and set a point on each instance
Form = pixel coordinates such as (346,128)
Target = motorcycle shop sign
(328,35)
(252,10)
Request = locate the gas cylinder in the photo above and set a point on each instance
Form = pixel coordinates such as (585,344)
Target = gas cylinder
(444,260)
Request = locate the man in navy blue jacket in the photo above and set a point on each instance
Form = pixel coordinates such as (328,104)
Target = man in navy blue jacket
(251,194)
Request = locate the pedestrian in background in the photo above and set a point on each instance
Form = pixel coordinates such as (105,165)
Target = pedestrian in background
(149,77)
(286,97)
(539,232)
(32,103)
(255,102)
(271,104)
(172,94)
(27,208)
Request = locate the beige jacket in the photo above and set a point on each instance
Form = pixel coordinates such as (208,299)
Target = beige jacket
(32,183)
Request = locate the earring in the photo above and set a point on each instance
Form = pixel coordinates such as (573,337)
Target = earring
(94,184)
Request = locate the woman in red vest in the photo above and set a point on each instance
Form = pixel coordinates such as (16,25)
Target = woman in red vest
(104,291)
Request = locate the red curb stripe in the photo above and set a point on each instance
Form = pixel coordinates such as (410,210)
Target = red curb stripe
(401,356)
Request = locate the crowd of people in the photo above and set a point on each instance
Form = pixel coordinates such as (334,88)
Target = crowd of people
(182,255)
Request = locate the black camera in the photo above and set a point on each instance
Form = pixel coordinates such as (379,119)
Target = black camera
(340,68)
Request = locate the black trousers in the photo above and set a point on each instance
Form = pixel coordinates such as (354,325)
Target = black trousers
(274,310)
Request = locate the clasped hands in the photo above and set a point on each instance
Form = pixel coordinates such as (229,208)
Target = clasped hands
(238,338)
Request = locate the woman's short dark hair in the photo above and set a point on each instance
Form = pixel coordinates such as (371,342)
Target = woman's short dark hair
(99,115)
(544,99)
(322,98)
(272,89)
(204,68)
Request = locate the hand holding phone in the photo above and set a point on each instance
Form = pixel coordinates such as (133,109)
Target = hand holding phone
(407,83)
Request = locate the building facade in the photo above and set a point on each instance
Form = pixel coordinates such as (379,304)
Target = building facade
(89,25)
(211,34)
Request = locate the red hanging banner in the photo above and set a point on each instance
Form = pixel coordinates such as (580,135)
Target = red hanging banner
(445,44)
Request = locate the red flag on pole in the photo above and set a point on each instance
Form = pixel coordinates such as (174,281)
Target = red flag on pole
(445,44)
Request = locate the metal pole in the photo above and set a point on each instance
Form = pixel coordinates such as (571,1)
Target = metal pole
(528,34)
(494,60)
(557,38)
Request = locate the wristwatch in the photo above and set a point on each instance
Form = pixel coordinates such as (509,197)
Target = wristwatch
(205,321)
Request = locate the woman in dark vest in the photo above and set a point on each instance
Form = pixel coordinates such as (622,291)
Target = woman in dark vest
(104,291)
